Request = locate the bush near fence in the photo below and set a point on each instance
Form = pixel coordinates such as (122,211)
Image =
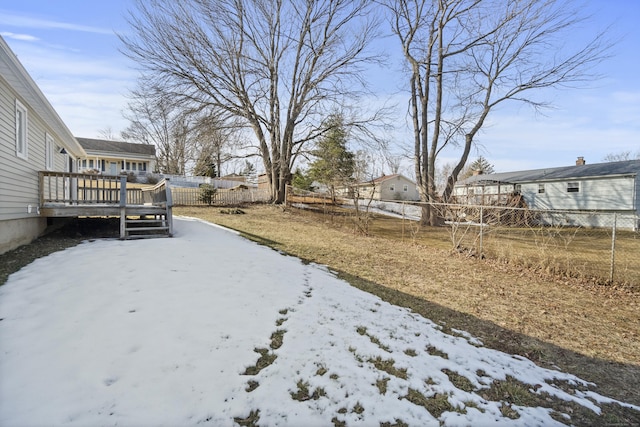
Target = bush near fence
(222,197)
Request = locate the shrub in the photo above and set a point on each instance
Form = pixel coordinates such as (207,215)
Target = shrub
(207,193)
(131,177)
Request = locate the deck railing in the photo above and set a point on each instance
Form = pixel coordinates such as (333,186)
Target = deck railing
(68,188)
(159,194)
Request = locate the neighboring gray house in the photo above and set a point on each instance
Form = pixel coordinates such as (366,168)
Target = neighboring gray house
(32,138)
(115,157)
(388,187)
(608,187)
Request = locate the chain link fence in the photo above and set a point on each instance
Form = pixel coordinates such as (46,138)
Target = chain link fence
(601,246)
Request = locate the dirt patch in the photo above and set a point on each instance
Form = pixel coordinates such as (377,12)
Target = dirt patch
(71,234)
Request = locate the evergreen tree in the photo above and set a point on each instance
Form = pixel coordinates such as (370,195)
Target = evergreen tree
(479,165)
(302,181)
(334,164)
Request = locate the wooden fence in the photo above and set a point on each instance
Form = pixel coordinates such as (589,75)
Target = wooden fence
(221,197)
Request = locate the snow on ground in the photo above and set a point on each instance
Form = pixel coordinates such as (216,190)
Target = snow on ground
(184,331)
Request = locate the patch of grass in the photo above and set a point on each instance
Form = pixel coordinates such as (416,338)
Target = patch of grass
(338,423)
(471,404)
(410,352)
(398,423)
(363,331)
(388,367)
(382,385)
(321,371)
(436,405)
(302,394)
(358,408)
(266,358)
(251,385)
(512,391)
(459,381)
(276,339)
(250,421)
(280,321)
(435,352)
(507,411)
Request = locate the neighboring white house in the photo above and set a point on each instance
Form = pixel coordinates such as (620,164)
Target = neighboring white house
(116,157)
(608,187)
(32,138)
(388,187)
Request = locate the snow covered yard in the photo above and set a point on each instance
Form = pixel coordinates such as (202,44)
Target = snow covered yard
(209,328)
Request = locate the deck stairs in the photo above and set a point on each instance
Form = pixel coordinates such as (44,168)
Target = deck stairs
(146,226)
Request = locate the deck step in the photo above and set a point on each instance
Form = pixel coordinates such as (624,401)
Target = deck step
(147,229)
(143,225)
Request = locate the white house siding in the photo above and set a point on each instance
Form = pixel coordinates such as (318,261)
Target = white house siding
(398,182)
(20,221)
(606,194)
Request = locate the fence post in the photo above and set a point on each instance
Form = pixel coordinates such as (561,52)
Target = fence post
(481,230)
(613,247)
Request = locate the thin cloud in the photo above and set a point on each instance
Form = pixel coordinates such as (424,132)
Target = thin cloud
(23,37)
(14,20)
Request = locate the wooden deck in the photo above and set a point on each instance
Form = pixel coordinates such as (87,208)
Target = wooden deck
(143,212)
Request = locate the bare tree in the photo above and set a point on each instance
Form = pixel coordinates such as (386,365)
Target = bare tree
(215,141)
(108,134)
(466,57)
(279,65)
(157,119)
(621,156)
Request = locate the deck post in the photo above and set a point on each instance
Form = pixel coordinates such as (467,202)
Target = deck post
(169,206)
(123,206)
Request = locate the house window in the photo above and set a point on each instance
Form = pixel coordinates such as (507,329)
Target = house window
(84,163)
(91,164)
(540,188)
(48,152)
(128,166)
(405,188)
(144,167)
(573,187)
(518,188)
(21,130)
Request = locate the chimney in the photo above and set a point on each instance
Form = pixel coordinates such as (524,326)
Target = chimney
(580,161)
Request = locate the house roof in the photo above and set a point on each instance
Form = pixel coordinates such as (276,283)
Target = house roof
(116,146)
(596,170)
(19,79)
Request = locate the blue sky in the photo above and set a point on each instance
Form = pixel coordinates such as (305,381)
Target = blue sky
(70,49)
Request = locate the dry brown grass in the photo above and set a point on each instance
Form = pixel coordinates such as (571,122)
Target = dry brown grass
(589,330)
